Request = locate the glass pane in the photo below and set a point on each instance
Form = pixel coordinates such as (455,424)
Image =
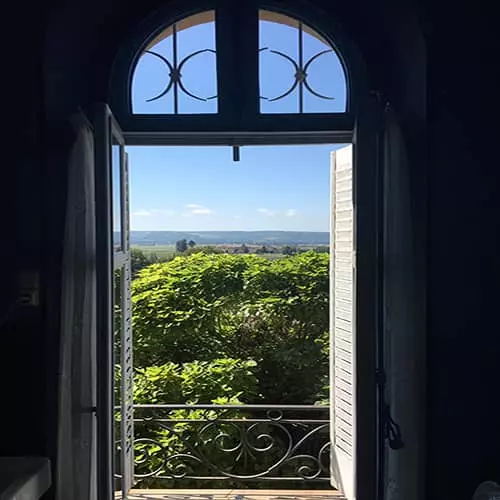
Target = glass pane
(117,196)
(177,73)
(299,71)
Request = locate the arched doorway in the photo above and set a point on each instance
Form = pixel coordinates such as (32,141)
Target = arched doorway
(249,106)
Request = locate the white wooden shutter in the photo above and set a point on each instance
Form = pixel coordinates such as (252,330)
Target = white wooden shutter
(342,360)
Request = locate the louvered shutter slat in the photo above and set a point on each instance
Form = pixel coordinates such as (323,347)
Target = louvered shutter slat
(342,322)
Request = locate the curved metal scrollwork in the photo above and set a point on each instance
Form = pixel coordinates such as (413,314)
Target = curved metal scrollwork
(175,75)
(301,69)
(241,444)
(175,82)
(300,75)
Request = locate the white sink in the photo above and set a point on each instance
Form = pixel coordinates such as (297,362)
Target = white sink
(24,478)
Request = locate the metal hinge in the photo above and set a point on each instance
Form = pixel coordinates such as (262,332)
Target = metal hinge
(392,430)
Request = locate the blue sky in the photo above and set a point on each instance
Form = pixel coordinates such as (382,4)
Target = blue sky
(201,188)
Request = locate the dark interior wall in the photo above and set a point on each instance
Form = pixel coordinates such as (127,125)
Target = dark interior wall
(24,348)
(463,250)
(455,178)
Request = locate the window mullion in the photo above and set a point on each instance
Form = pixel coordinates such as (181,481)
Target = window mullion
(224,46)
(248,61)
(237,62)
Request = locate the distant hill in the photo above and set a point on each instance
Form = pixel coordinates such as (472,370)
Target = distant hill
(230,237)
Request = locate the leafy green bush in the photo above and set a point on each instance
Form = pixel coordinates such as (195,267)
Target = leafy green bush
(180,308)
(198,382)
(205,307)
(284,323)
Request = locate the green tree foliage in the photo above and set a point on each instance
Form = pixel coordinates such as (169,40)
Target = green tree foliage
(182,308)
(191,243)
(288,250)
(284,323)
(198,382)
(205,307)
(181,245)
(139,260)
(205,249)
(322,249)
(241,249)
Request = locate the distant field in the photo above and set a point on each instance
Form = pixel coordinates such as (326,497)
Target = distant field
(161,251)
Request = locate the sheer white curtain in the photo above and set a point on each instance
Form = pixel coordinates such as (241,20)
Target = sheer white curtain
(404,321)
(76,466)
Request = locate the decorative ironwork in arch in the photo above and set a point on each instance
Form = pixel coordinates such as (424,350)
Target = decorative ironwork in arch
(309,49)
(299,70)
(175,95)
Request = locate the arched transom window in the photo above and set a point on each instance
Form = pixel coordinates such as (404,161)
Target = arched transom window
(230,66)
(299,71)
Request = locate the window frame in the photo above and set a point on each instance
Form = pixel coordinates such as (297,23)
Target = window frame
(247,126)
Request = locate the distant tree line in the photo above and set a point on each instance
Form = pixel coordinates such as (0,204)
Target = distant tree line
(182,246)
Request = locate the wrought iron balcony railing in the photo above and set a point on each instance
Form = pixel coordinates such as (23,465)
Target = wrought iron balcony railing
(234,444)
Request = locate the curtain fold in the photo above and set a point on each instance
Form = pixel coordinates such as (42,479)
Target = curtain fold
(404,330)
(76,465)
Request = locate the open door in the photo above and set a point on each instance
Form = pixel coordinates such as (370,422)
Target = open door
(123,275)
(355,310)
(114,308)
(342,354)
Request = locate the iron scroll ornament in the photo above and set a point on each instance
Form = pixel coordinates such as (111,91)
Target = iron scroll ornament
(223,446)
(301,71)
(175,75)
(300,76)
